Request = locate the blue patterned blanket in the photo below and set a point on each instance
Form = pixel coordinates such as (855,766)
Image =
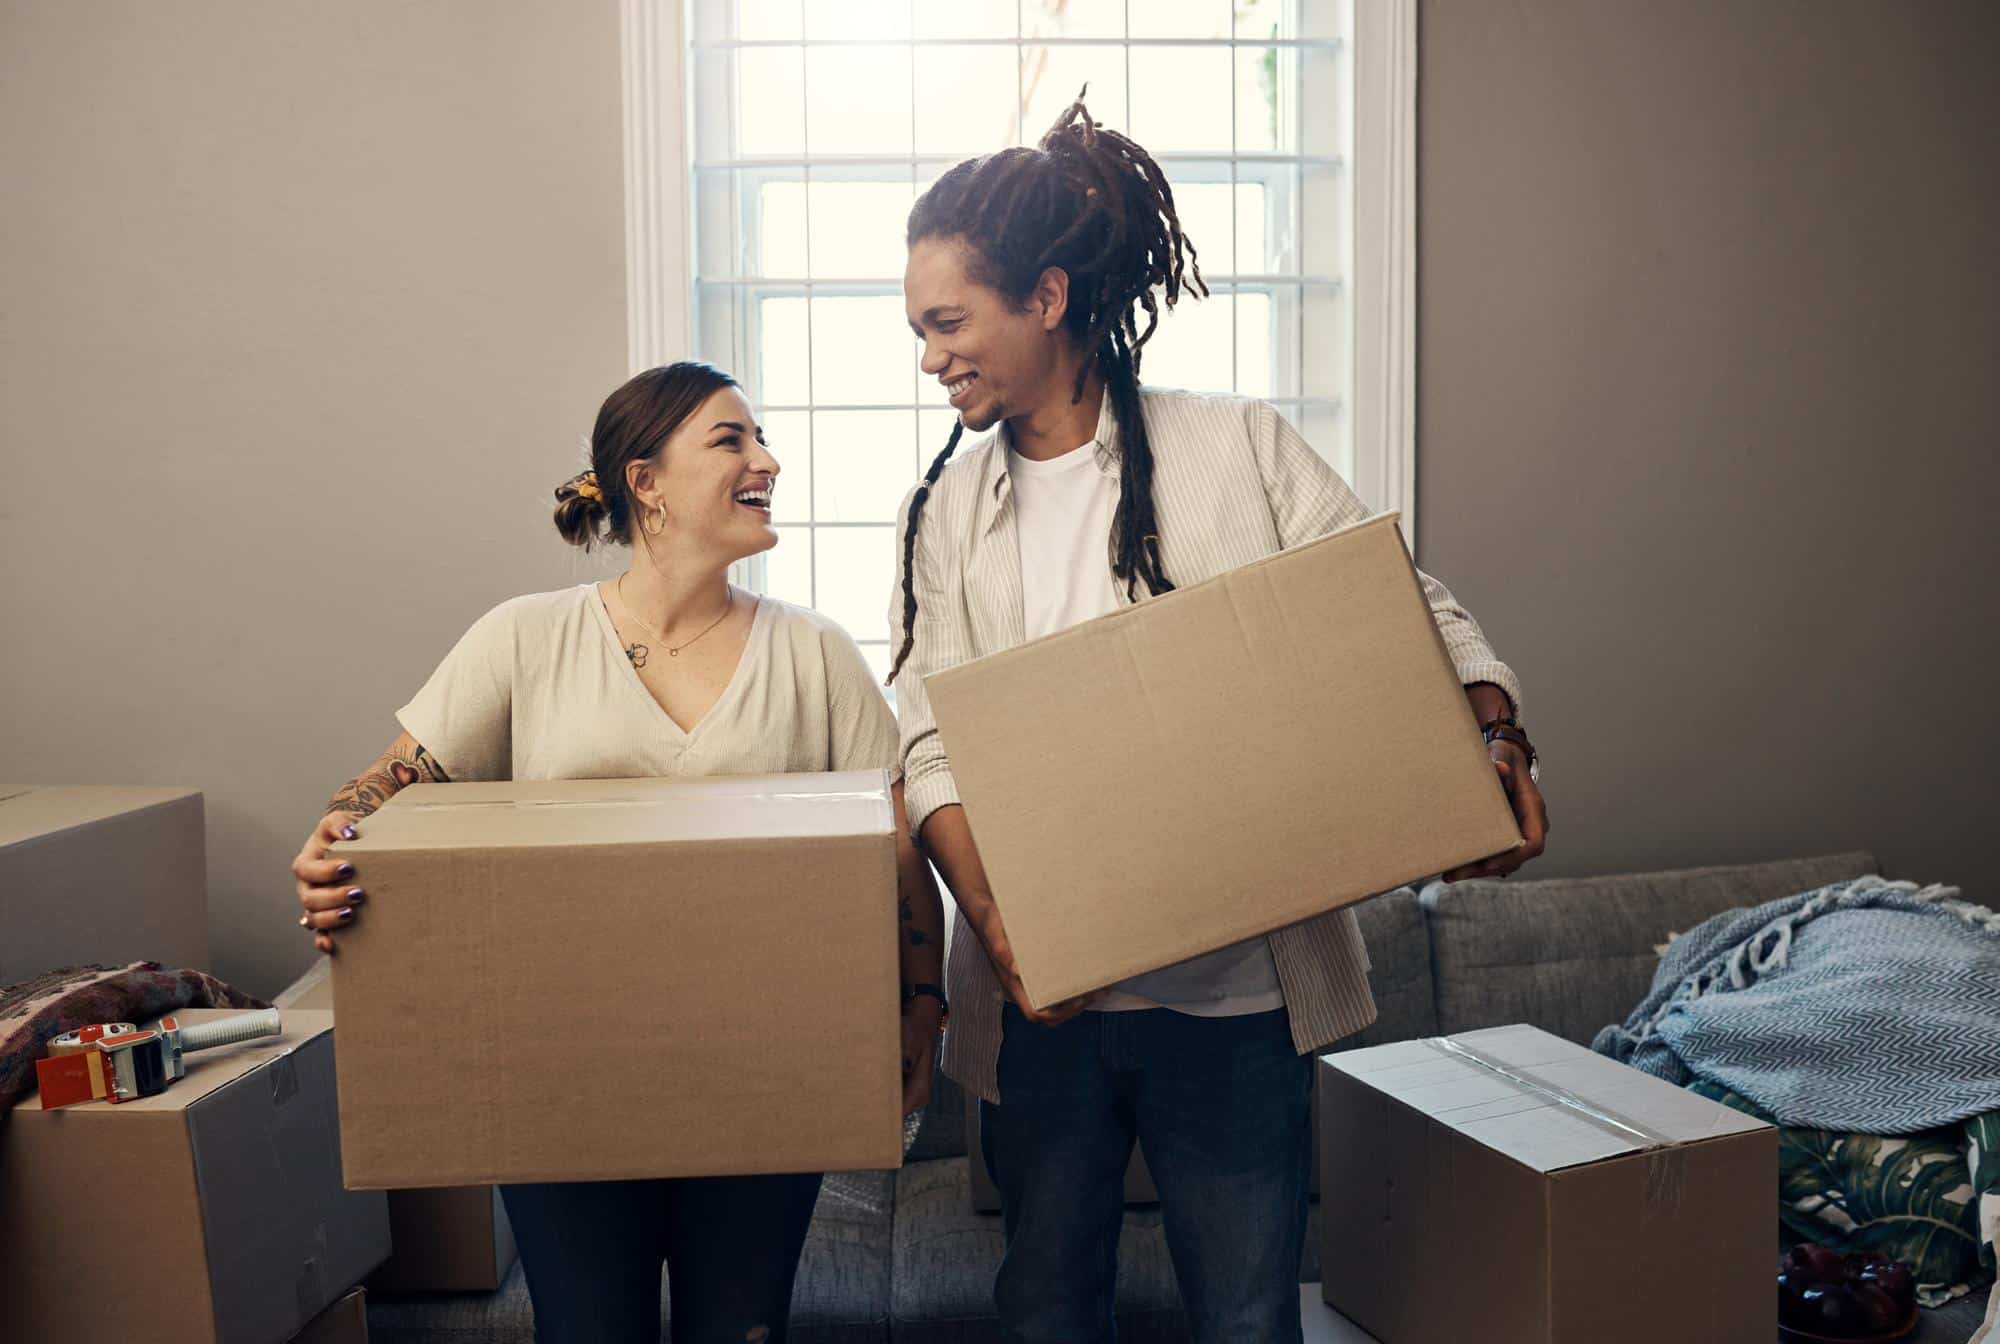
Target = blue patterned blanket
(1868,1006)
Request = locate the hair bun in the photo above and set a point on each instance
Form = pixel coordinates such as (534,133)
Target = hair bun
(583,485)
(581,510)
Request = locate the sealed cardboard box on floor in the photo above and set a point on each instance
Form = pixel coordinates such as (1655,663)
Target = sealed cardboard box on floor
(213,1211)
(1219,762)
(1515,1188)
(604,979)
(451,1240)
(101,873)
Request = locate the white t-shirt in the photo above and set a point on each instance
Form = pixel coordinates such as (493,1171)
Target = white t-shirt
(540,688)
(1063,510)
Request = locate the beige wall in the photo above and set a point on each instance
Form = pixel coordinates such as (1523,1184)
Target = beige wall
(304,309)
(1709,332)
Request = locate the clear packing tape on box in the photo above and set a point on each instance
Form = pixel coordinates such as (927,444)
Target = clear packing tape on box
(1666,1162)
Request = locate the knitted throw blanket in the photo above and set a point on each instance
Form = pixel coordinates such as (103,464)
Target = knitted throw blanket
(1868,1006)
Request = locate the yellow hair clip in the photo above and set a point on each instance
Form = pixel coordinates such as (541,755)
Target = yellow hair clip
(586,486)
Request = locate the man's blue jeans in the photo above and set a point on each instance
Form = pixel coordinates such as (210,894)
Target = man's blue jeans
(1221,1108)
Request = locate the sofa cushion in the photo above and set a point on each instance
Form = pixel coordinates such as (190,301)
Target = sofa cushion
(946,1256)
(1398,936)
(1571,955)
(842,1292)
(942,1133)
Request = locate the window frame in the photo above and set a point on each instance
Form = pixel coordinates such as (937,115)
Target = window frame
(1378,148)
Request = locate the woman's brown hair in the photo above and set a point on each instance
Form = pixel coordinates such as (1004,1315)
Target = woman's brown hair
(593,507)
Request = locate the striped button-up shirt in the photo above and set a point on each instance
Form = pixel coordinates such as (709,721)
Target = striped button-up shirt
(1232,481)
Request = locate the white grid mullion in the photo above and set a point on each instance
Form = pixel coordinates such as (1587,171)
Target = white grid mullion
(1235,258)
(944,410)
(1128,66)
(1020,74)
(743,43)
(864,286)
(812,393)
(740,296)
(916,365)
(1299,237)
(1166,158)
(828,524)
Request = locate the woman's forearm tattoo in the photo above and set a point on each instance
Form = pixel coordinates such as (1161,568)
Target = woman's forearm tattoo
(392,774)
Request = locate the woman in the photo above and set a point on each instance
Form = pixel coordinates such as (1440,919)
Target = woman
(666,671)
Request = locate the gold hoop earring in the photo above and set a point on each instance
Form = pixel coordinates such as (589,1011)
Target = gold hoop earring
(658,515)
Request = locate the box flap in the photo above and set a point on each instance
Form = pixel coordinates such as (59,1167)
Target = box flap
(1543,1101)
(28,812)
(535,814)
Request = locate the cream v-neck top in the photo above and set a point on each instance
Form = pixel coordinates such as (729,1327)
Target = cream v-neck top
(540,688)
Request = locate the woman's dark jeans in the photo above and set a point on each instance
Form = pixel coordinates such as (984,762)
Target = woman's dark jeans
(592,1252)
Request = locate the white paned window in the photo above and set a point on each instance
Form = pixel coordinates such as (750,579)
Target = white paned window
(816,124)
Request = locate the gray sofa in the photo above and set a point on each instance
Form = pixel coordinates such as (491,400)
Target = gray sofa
(901,1255)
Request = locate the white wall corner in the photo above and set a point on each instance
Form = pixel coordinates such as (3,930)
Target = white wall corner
(658,177)
(1385,256)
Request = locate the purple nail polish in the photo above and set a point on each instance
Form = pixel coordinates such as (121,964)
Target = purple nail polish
(347,833)
(343,914)
(345,870)
(356,895)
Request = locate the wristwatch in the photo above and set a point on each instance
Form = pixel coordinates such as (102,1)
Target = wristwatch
(1507,730)
(929,991)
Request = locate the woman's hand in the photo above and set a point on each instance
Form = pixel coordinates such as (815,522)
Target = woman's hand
(327,887)
(922,1017)
(1531,814)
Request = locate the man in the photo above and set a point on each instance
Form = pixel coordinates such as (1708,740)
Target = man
(1026,270)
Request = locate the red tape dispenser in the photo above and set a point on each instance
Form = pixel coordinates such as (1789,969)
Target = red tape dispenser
(116,1061)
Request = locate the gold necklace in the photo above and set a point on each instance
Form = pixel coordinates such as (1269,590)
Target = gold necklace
(637,653)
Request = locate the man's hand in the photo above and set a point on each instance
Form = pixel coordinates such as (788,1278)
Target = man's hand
(947,839)
(1001,953)
(1531,814)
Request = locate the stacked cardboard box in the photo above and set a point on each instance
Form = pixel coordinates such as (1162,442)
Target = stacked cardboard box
(103,874)
(212,1211)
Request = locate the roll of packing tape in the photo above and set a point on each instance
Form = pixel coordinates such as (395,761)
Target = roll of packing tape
(70,1042)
